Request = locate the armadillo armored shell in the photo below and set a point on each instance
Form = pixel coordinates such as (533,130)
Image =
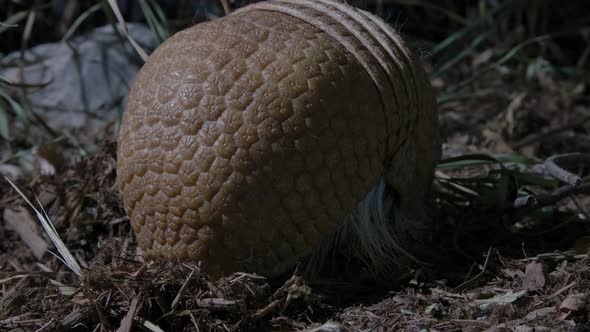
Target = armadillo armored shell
(248,139)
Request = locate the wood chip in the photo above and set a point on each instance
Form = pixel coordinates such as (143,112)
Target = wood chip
(217,304)
(127,321)
(535,277)
(539,313)
(21,221)
(572,303)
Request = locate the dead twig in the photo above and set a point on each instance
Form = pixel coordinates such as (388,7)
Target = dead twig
(551,164)
(541,200)
(555,166)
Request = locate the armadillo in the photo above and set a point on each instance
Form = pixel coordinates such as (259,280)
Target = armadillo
(249,139)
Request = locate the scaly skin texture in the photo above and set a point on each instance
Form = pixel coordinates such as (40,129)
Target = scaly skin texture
(248,139)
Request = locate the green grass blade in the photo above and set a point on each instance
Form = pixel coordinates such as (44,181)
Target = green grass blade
(450,92)
(10,22)
(529,179)
(80,19)
(462,55)
(4,132)
(162,18)
(18,110)
(156,26)
(468,160)
(463,32)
